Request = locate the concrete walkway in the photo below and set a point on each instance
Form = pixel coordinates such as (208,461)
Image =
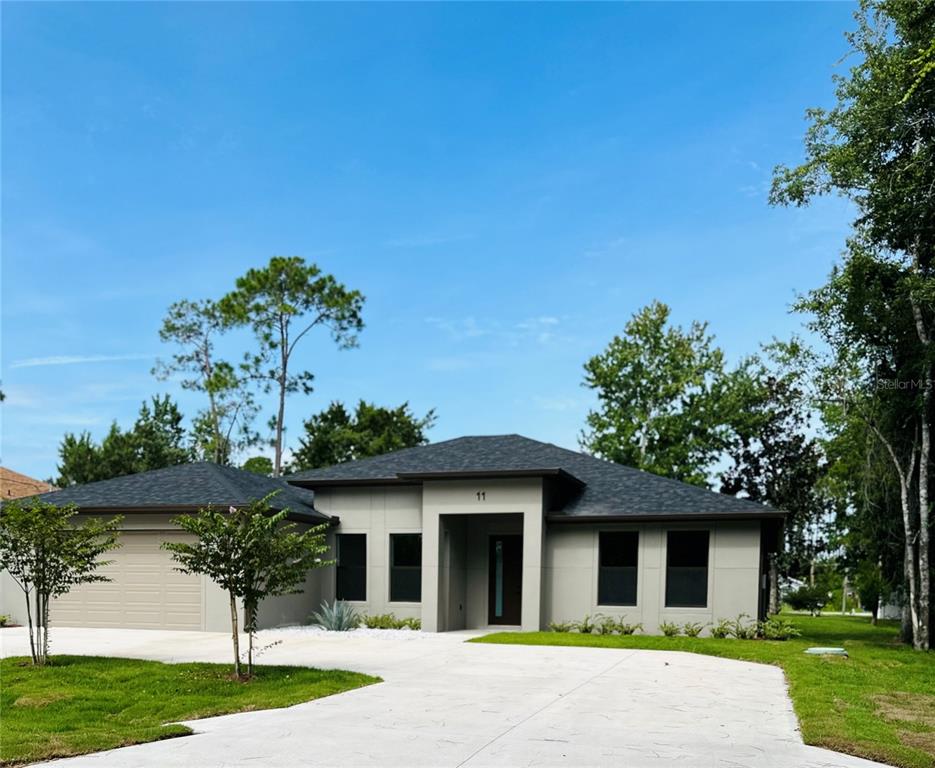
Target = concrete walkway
(449,703)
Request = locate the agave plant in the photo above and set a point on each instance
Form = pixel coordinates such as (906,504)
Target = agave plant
(338,617)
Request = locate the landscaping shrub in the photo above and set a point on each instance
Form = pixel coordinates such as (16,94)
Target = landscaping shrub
(413,624)
(628,629)
(588,624)
(776,628)
(722,629)
(669,629)
(562,626)
(382,621)
(607,625)
(338,617)
(4,619)
(743,630)
(692,629)
(806,598)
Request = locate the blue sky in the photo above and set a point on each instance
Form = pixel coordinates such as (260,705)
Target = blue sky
(506,184)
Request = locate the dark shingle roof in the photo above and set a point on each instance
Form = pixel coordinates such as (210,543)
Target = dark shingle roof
(610,489)
(187,485)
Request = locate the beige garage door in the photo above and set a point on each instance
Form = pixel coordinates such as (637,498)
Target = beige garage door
(145,592)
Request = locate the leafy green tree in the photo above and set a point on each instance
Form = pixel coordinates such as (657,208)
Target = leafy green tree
(876,146)
(662,394)
(156,440)
(225,426)
(260,465)
(282,303)
(774,458)
(252,553)
(46,554)
(335,435)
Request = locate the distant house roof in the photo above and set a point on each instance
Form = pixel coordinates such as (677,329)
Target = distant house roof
(592,487)
(186,487)
(14,485)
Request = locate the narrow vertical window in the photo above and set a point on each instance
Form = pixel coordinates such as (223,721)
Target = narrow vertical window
(351,556)
(687,569)
(618,559)
(405,567)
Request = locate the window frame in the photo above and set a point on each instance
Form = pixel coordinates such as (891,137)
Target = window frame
(338,566)
(707,596)
(636,587)
(391,567)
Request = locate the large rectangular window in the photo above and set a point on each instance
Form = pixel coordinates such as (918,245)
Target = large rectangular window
(405,567)
(617,557)
(352,566)
(687,569)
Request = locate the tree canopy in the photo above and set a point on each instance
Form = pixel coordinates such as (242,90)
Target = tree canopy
(282,303)
(335,434)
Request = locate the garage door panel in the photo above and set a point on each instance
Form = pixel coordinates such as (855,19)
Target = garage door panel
(145,591)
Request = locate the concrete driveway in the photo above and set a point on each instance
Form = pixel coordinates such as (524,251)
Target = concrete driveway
(449,703)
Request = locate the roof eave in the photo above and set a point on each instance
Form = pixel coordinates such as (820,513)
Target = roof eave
(766,514)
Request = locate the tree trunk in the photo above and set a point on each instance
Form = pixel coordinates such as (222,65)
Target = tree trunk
(40,630)
(774,605)
(45,629)
(844,595)
(875,612)
(32,634)
(235,635)
(922,642)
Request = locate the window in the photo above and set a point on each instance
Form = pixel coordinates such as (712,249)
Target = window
(687,569)
(352,566)
(617,556)
(405,567)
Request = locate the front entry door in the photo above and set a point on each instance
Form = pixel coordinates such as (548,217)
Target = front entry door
(505,595)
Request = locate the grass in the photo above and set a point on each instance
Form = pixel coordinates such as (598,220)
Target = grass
(878,704)
(83,704)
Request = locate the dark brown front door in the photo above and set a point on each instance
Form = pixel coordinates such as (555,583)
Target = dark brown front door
(505,595)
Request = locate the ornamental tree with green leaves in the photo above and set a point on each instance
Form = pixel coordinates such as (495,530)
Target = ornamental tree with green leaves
(225,426)
(662,393)
(252,553)
(335,434)
(282,303)
(47,554)
(876,147)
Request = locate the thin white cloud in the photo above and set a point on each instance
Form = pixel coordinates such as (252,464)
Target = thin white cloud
(448,364)
(36,362)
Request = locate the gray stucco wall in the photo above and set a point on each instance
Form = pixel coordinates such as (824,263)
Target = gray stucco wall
(571,573)
(376,511)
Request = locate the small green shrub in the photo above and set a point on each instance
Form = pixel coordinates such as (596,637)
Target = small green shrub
(562,626)
(721,630)
(806,598)
(607,625)
(338,617)
(389,621)
(628,629)
(743,630)
(669,628)
(588,624)
(692,629)
(775,628)
(4,619)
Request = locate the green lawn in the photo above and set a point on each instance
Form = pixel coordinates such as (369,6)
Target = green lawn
(87,703)
(878,704)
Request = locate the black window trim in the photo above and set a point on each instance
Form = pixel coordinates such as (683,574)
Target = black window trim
(390,567)
(639,542)
(665,587)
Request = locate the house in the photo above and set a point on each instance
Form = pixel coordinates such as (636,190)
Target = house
(467,533)
(14,485)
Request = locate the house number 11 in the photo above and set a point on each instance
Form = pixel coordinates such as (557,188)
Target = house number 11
(482,495)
